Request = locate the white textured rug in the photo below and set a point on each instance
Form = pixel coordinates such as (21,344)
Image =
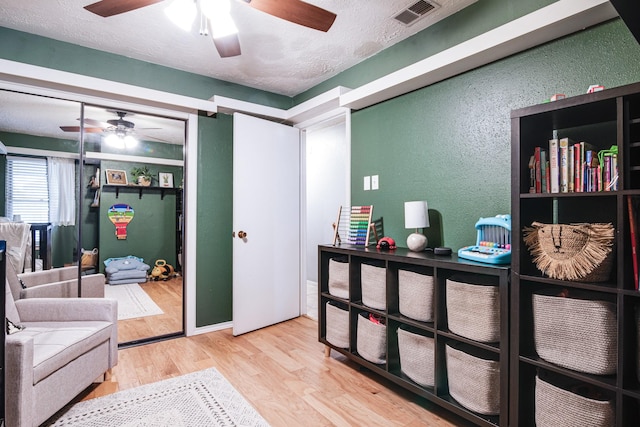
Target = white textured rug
(200,399)
(133,301)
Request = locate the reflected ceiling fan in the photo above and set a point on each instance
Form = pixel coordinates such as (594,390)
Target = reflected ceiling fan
(118,132)
(215,14)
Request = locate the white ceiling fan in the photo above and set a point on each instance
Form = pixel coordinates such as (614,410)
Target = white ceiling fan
(215,16)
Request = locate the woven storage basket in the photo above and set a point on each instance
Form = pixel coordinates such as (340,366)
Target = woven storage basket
(371,342)
(578,334)
(473,310)
(415,292)
(572,251)
(374,286)
(473,381)
(416,357)
(337,325)
(339,279)
(556,406)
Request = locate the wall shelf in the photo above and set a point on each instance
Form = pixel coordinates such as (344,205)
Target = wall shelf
(140,190)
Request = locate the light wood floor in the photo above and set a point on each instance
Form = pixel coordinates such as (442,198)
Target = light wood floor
(168,295)
(282,371)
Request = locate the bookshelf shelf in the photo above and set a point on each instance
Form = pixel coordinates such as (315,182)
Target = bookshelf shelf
(610,117)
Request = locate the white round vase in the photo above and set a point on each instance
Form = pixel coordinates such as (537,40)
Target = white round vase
(417,242)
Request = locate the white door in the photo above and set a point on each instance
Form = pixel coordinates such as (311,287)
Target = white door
(266,206)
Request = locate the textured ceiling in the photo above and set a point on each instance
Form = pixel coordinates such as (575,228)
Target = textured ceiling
(277,56)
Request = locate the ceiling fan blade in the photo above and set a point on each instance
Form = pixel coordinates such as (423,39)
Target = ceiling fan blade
(97,123)
(77,129)
(228,46)
(296,11)
(106,8)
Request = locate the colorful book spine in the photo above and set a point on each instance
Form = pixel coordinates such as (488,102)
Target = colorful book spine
(563,145)
(634,243)
(538,171)
(554,165)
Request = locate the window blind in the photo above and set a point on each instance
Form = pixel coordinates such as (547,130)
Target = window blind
(27,189)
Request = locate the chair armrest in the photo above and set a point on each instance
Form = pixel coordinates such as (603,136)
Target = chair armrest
(92,287)
(67,309)
(41,277)
(19,354)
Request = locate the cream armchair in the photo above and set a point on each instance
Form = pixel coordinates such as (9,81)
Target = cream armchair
(54,283)
(66,345)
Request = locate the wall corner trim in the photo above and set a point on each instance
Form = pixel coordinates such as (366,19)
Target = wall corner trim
(546,24)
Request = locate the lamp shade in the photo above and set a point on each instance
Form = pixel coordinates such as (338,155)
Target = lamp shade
(416,214)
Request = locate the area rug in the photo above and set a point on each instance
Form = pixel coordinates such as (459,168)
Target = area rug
(200,399)
(133,301)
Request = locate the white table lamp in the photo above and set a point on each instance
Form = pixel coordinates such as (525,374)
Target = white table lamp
(416,215)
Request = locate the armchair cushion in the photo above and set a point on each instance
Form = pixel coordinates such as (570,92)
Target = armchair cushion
(56,344)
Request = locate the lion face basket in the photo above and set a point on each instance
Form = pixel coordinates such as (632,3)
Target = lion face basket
(572,251)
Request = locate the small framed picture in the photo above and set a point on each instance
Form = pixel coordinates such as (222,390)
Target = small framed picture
(116,177)
(165,179)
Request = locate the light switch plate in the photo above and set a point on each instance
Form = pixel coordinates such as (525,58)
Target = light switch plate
(367,183)
(374,182)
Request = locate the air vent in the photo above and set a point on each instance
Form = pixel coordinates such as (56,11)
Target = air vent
(414,12)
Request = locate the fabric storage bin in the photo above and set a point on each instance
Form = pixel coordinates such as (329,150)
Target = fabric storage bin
(556,406)
(371,340)
(474,382)
(473,308)
(416,357)
(415,293)
(337,323)
(575,333)
(373,281)
(339,278)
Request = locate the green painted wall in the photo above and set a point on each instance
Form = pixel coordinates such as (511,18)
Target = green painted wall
(45,52)
(214,220)
(480,17)
(450,143)
(151,234)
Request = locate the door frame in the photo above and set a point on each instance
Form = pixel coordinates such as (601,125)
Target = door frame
(322,120)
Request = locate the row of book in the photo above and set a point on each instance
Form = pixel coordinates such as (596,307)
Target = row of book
(569,167)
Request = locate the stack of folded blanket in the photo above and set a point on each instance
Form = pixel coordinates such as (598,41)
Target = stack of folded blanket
(129,269)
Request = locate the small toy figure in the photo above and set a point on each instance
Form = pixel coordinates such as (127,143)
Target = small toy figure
(162,270)
(386,243)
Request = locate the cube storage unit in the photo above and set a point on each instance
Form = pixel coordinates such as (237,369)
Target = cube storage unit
(589,335)
(408,341)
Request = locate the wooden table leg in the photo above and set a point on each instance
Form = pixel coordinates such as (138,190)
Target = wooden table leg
(327,351)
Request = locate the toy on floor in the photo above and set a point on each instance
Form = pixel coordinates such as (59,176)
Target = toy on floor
(162,270)
(129,269)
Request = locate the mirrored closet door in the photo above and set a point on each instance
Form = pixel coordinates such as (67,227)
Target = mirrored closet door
(115,207)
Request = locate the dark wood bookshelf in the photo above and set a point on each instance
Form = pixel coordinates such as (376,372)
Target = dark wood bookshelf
(615,114)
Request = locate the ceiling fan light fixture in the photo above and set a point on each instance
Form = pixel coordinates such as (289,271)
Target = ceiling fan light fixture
(214,9)
(182,13)
(129,141)
(223,26)
(113,140)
